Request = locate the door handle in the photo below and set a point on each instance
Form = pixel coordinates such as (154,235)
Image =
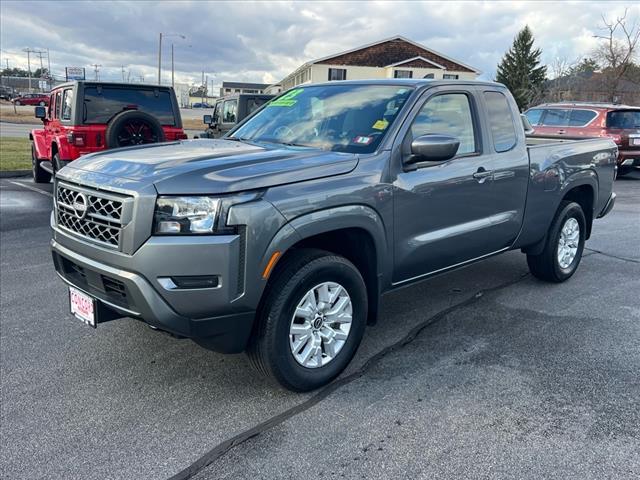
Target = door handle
(481,175)
(561,132)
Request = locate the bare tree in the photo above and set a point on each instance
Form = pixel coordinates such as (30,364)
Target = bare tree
(617,50)
(562,83)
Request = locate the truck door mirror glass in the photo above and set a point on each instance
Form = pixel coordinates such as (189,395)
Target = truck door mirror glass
(528,128)
(433,147)
(41,112)
(208,119)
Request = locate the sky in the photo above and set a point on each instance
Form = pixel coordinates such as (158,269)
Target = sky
(265,41)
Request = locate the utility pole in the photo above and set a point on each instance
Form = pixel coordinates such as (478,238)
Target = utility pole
(28,50)
(49,64)
(96,69)
(39,53)
(160,60)
(122,67)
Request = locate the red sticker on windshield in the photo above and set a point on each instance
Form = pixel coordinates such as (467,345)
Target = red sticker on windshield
(362,140)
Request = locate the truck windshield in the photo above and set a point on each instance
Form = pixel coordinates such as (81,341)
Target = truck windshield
(623,119)
(345,118)
(101,104)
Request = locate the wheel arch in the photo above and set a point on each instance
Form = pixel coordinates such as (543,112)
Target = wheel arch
(355,232)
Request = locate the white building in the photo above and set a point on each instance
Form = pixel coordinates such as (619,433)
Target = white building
(395,57)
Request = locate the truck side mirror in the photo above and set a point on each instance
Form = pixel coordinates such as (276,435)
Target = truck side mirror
(528,128)
(41,112)
(208,119)
(433,147)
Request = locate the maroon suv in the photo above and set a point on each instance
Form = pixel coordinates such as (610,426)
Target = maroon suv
(41,99)
(621,123)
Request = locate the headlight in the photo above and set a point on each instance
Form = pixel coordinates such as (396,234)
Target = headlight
(189,215)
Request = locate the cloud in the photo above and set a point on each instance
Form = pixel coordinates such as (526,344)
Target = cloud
(265,41)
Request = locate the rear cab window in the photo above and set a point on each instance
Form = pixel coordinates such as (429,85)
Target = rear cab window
(501,121)
(102,103)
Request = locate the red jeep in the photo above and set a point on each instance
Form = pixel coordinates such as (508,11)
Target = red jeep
(85,117)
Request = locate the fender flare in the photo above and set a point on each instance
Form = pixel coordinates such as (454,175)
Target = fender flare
(338,218)
(583,178)
(39,144)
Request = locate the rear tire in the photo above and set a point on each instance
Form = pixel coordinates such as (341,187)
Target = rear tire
(276,351)
(39,175)
(563,247)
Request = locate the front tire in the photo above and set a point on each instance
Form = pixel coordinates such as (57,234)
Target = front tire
(311,322)
(39,175)
(564,245)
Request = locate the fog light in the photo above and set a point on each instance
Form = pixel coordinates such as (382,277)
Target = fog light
(190,282)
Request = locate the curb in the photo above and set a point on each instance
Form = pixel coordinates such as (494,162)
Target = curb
(14,173)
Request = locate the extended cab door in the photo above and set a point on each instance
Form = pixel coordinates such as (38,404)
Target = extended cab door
(447,213)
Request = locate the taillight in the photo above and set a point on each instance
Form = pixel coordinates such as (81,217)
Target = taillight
(77,139)
(616,138)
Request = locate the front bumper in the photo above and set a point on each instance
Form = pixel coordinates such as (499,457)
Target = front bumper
(217,318)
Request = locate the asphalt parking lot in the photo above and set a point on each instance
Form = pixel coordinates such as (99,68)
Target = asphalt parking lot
(480,373)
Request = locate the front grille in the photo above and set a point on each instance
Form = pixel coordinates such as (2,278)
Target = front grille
(93,282)
(114,287)
(90,213)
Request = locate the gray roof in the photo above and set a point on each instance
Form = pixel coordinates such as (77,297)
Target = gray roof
(257,86)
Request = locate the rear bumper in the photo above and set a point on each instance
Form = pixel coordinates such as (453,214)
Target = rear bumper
(629,158)
(206,315)
(608,206)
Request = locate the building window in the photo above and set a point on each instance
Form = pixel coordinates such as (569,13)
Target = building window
(402,74)
(429,75)
(337,74)
(450,76)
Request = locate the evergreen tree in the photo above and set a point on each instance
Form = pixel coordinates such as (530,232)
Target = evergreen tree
(586,66)
(520,69)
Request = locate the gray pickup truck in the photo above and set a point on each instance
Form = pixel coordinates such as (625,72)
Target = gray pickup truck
(280,238)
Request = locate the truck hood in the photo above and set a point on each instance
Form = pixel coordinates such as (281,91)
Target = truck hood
(210,166)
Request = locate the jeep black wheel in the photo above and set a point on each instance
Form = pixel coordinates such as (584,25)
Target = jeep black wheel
(39,175)
(132,128)
(312,320)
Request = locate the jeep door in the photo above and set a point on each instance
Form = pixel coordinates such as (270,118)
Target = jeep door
(52,125)
(447,213)
(229,115)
